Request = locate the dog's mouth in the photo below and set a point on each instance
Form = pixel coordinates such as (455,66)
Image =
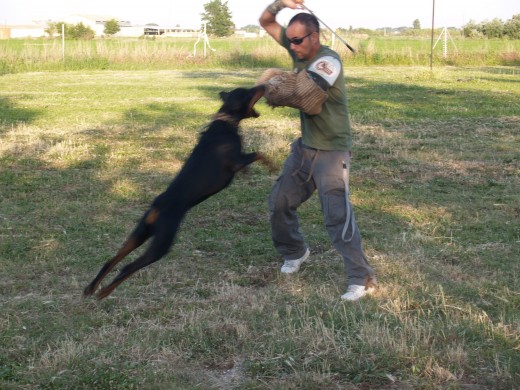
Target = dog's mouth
(258,92)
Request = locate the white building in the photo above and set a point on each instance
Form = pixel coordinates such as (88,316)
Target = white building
(22,31)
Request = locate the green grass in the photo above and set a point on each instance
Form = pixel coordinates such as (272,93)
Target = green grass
(236,53)
(435,183)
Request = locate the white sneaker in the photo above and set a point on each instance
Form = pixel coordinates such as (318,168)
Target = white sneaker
(355,292)
(292,266)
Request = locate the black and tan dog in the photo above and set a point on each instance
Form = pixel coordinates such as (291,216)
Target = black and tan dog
(209,169)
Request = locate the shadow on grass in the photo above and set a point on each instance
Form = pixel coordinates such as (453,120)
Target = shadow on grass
(157,115)
(12,114)
(371,100)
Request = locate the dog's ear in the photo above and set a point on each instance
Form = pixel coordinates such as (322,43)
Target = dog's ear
(223,95)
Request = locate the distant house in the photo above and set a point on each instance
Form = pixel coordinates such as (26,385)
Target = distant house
(245,34)
(168,31)
(22,31)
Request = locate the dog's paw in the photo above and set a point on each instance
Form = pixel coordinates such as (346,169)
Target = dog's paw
(104,292)
(88,291)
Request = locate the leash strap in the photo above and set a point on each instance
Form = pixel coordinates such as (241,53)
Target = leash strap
(350,215)
(331,30)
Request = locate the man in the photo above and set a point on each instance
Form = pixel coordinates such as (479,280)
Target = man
(320,159)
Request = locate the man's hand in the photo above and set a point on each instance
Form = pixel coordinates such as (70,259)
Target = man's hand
(293,3)
(268,18)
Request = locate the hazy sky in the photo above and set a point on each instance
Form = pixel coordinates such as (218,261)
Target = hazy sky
(335,13)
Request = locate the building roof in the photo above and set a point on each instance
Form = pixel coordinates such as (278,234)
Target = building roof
(93,17)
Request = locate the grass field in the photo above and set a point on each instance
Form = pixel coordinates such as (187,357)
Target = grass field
(19,55)
(435,185)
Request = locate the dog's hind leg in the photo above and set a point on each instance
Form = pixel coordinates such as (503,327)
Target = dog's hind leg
(162,241)
(141,233)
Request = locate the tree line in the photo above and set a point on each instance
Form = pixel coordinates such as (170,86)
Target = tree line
(493,29)
(218,20)
(79,30)
(486,29)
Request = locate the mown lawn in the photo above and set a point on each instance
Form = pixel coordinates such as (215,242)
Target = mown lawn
(435,185)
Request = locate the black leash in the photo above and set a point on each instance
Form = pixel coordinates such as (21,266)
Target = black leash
(322,22)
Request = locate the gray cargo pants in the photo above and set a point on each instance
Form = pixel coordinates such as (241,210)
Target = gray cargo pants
(304,171)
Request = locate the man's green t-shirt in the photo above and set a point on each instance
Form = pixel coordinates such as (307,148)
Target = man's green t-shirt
(330,129)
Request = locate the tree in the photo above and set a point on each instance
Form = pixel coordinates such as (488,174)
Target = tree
(416,24)
(252,28)
(493,29)
(111,27)
(52,28)
(80,31)
(471,29)
(218,18)
(512,27)
(76,31)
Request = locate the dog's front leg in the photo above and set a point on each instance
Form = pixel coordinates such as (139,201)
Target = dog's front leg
(249,158)
(266,162)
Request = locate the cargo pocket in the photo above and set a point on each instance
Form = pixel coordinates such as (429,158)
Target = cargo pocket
(334,208)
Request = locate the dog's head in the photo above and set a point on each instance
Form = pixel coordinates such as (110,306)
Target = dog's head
(239,102)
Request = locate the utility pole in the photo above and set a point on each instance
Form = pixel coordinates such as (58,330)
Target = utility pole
(63,42)
(433,26)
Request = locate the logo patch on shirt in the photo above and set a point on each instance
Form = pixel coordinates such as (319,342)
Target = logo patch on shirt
(327,67)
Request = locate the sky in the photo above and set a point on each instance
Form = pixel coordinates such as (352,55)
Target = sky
(335,13)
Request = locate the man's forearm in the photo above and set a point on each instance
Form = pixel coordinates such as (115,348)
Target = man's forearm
(269,15)
(275,7)
(268,19)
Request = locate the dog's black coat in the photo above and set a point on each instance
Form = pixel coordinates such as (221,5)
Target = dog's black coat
(209,169)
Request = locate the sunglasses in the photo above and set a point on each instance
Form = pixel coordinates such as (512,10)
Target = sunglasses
(298,41)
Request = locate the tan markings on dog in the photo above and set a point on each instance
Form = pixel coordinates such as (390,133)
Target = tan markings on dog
(152,216)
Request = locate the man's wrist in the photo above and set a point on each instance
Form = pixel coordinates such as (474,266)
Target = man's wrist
(275,7)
